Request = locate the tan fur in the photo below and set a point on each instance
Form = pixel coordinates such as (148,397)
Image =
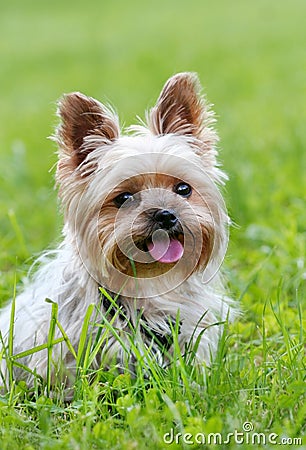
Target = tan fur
(180,109)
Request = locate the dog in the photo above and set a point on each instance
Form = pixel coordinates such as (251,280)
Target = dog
(145,232)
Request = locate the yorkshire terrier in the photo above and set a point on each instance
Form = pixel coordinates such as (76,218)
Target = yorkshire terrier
(145,232)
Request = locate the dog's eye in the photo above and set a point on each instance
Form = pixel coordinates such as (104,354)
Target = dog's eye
(183,189)
(121,199)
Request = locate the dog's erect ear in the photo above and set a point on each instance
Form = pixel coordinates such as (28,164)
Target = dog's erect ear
(181,109)
(84,121)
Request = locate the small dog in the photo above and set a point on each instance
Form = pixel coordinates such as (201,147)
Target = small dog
(145,232)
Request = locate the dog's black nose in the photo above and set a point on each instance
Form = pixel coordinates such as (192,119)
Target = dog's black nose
(165,218)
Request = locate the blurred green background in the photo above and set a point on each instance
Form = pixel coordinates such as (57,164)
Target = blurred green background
(251,59)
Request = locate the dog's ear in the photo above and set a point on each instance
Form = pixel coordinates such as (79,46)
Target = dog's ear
(85,124)
(180,109)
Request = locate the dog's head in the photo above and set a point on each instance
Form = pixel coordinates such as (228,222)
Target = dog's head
(144,205)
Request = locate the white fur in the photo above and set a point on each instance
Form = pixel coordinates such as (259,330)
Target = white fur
(71,275)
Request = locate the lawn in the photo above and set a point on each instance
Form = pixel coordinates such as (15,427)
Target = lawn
(251,59)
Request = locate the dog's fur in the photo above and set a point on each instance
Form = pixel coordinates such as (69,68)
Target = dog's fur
(106,246)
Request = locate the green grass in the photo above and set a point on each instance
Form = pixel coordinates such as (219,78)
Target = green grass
(250,57)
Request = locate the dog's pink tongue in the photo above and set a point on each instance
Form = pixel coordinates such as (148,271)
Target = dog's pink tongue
(166,250)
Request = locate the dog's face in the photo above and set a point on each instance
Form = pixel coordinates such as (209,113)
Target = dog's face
(156,221)
(143,206)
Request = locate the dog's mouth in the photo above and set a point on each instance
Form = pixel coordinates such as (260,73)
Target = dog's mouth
(166,252)
(165,248)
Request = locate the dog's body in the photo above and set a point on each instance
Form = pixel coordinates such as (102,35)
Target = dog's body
(144,220)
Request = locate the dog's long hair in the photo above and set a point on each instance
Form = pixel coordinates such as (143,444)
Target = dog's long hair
(145,232)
